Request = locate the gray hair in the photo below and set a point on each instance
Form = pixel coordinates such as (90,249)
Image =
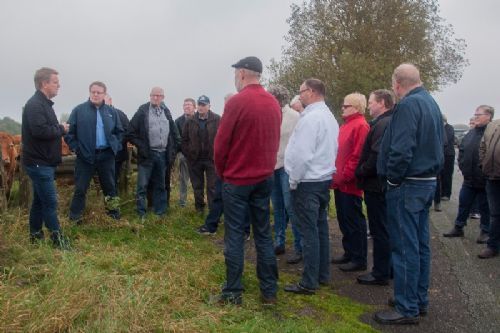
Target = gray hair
(43,75)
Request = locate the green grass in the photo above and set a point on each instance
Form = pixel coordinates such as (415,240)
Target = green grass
(157,277)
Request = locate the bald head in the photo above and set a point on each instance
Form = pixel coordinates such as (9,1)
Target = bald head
(405,78)
(156,96)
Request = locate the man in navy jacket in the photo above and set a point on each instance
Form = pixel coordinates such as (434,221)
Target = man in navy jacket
(95,134)
(410,157)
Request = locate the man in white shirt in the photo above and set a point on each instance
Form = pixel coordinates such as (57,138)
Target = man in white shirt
(310,163)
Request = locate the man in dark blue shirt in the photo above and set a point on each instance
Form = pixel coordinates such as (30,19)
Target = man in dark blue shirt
(95,134)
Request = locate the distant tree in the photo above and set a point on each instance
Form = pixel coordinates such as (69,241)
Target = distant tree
(354,45)
(10,126)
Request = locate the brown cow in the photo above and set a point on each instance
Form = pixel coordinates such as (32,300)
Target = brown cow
(9,161)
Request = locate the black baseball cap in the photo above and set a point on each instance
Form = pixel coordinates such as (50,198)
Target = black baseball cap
(251,63)
(203,100)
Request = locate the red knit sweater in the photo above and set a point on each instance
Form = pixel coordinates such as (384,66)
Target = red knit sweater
(352,136)
(247,140)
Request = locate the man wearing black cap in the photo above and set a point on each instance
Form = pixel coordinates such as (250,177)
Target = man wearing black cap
(245,153)
(198,147)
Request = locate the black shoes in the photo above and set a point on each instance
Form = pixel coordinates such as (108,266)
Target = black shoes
(455,232)
(59,241)
(370,280)
(352,267)
(221,299)
(421,311)
(392,317)
(487,253)
(37,237)
(340,260)
(298,289)
(294,259)
(278,250)
(203,230)
(482,238)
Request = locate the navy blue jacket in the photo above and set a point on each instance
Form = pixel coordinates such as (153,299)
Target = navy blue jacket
(468,158)
(413,142)
(81,137)
(41,132)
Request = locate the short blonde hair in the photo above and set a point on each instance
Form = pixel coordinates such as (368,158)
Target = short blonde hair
(357,100)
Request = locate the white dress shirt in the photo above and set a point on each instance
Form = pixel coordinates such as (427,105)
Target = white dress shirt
(312,149)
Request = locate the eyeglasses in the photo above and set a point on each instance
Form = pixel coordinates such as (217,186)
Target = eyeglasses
(97,93)
(152,95)
(345,106)
(304,90)
(476,115)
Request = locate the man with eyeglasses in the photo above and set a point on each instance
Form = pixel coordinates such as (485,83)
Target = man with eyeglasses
(154,133)
(95,134)
(310,162)
(489,155)
(473,186)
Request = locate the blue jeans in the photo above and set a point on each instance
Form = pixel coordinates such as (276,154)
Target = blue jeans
(44,205)
(408,226)
(310,202)
(104,165)
(469,198)
(238,200)
(352,224)
(282,209)
(493,191)
(217,209)
(377,218)
(152,171)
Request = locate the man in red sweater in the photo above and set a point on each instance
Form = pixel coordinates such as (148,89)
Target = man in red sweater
(348,196)
(245,153)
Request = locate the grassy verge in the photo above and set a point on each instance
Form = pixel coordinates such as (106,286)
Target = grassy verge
(156,277)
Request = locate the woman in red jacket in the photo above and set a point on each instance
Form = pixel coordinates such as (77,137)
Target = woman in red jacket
(348,196)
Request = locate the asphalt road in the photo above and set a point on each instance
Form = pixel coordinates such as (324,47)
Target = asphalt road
(464,292)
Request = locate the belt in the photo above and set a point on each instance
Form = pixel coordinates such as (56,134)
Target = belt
(100,150)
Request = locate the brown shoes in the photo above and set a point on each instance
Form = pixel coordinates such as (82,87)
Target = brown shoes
(487,253)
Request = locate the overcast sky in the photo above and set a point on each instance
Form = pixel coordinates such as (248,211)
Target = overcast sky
(187,48)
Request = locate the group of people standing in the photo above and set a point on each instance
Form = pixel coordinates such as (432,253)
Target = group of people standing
(266,148)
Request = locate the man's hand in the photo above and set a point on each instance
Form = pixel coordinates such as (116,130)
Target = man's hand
(66,127)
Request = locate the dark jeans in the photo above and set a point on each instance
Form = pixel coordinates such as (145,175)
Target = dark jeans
(183,179)
(238,200)
(447,175)
(283,210)
(408,226)
(310,202)
(104,165)
(152,171)
(377,218)
(469,195)
(215,213)
(352,224)
(197,172)
(493,191)
(44,204)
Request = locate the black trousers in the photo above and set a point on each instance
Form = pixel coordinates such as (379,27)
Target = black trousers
(447,175)
(202,171)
